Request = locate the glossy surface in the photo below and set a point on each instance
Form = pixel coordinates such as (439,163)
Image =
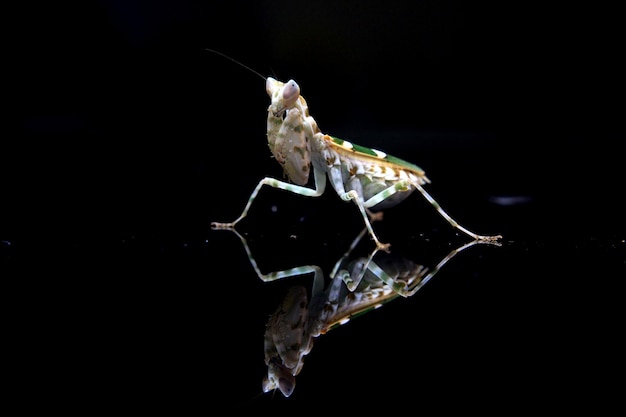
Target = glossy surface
(130,139)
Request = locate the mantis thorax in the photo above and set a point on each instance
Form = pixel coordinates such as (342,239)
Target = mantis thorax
(286,129)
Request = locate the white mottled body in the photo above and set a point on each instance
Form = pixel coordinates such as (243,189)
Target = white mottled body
(370,178)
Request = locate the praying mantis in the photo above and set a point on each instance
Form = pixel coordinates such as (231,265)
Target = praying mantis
(370,178)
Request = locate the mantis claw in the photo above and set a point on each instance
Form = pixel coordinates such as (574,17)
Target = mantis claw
(383,246)
(222,226)
(490,238)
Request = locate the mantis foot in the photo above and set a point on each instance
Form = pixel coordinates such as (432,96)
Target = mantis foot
(222,226)
(383,246)
(494,240)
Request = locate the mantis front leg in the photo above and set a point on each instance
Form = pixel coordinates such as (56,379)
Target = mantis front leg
(320,186)
(335,176)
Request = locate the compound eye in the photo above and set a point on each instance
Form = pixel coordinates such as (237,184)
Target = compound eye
(291,92)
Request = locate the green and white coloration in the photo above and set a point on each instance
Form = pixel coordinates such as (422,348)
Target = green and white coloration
(370,178)
(372,282)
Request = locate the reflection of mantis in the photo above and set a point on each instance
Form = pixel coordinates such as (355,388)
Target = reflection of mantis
(369,282)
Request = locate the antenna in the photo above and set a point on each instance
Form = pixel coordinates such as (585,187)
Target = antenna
(237,62)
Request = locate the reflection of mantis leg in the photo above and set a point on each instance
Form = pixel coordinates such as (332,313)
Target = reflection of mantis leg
(347,254)
(412,289)
(405,288)
(350,281)
(318,277)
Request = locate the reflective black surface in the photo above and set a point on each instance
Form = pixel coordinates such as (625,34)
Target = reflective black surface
(130,139)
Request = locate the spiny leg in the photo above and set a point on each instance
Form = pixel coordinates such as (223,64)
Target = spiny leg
(320,185)
(451,220)
(402,186)
(370,216)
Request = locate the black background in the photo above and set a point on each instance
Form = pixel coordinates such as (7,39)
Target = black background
(126,138)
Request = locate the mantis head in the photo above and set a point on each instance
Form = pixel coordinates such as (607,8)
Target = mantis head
(284,95)
(279,376)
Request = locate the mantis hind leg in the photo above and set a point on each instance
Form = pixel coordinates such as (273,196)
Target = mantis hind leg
(403,186)
(450,220)
(354,196)
(369,216)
